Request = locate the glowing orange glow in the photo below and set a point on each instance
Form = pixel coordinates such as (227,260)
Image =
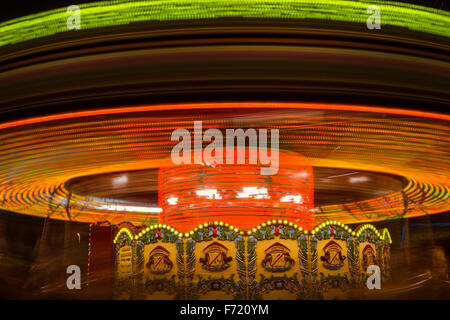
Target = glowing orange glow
(237,194)
(292,105)
(39,155)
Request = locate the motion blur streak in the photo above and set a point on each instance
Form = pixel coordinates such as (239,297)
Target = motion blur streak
(113,13)
(87,117)
(40,156)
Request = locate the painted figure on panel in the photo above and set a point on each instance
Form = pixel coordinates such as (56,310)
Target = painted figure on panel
(215,257)
(369,257)
(333,258)
(277,258)
(158,261)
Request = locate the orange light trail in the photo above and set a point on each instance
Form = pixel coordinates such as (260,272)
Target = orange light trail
(293,105)
(39,155)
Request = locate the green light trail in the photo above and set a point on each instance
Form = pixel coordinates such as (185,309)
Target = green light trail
(119,12)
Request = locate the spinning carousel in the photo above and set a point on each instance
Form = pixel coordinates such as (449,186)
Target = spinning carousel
(207,230)
(356,146)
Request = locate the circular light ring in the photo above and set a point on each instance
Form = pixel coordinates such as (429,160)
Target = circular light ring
(98,14)
(421,198)
(39,155)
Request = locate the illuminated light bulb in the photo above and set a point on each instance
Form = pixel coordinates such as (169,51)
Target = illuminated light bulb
(263,224)
(285,222)
(172,200)
(274,221)
(200,226)
(191,232)
(159,225)
(295,226)
(249,233)
(290,224)
(220,223)
(195,229)
(186,235)
(216,223)
(227,224)
(269,223)
(205,224)
(306,231)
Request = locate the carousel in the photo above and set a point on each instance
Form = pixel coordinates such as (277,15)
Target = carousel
(351,116)
(211,230)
